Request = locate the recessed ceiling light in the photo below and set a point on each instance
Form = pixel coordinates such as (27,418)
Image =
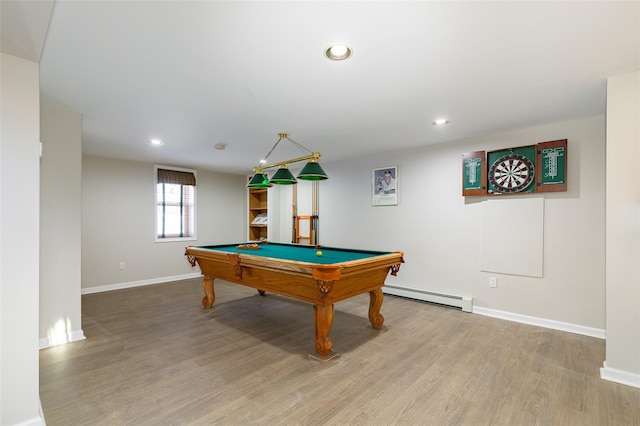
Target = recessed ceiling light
(156,142)
(338,52)
(220,146)
(440,122)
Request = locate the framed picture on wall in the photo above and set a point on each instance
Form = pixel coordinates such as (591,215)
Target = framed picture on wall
(384,186)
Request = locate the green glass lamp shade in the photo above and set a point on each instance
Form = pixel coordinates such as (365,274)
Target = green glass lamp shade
(283,177)
(259,180)
(312,171)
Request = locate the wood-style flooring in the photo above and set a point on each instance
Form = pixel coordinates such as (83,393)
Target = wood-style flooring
(154,356)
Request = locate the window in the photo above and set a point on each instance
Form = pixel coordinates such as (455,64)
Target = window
(175,204)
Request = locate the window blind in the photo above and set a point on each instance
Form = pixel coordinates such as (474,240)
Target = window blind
(176,177)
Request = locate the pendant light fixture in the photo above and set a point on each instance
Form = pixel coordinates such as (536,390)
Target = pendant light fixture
(311,171)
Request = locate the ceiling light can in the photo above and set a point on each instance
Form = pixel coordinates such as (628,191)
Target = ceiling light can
(338,52)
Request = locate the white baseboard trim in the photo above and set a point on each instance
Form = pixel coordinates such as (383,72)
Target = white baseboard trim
(463,302)
(542,322)
(619,376)
(35,421)
(74,336)
(130,284)
(466,303)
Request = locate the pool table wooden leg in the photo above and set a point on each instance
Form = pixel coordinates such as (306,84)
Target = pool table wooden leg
(375,303)
(324,321)
(209,294)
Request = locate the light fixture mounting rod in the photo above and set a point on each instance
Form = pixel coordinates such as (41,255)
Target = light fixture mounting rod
(285,135)
(315,156)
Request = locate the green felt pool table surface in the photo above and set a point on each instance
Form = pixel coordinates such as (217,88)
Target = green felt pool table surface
(300,253)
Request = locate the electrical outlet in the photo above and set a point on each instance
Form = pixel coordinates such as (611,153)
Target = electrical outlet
(493,282)
(122,265)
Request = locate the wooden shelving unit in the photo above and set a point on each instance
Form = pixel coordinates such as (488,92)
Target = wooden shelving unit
(258,206)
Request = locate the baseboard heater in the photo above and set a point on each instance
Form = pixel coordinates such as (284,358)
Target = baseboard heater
(464,303)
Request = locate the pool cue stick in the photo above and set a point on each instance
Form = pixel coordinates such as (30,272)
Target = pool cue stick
(314,212)
(294,210)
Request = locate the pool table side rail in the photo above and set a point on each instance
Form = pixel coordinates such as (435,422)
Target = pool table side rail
(295,266)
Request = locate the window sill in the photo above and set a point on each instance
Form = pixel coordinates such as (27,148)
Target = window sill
(173,240)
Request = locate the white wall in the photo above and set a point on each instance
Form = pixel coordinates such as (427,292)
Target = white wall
(118,226)
(60,218)
(440,231)
(19,241)
(623,230)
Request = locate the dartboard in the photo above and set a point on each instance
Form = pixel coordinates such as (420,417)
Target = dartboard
(511,173)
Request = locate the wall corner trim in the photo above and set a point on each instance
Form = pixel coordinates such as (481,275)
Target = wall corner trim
(619,376)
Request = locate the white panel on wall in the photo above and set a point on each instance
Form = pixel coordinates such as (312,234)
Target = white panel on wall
(512,236)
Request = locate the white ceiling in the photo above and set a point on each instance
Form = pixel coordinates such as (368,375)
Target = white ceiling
(196,74)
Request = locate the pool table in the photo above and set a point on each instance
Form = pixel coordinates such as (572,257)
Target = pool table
(318,275)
